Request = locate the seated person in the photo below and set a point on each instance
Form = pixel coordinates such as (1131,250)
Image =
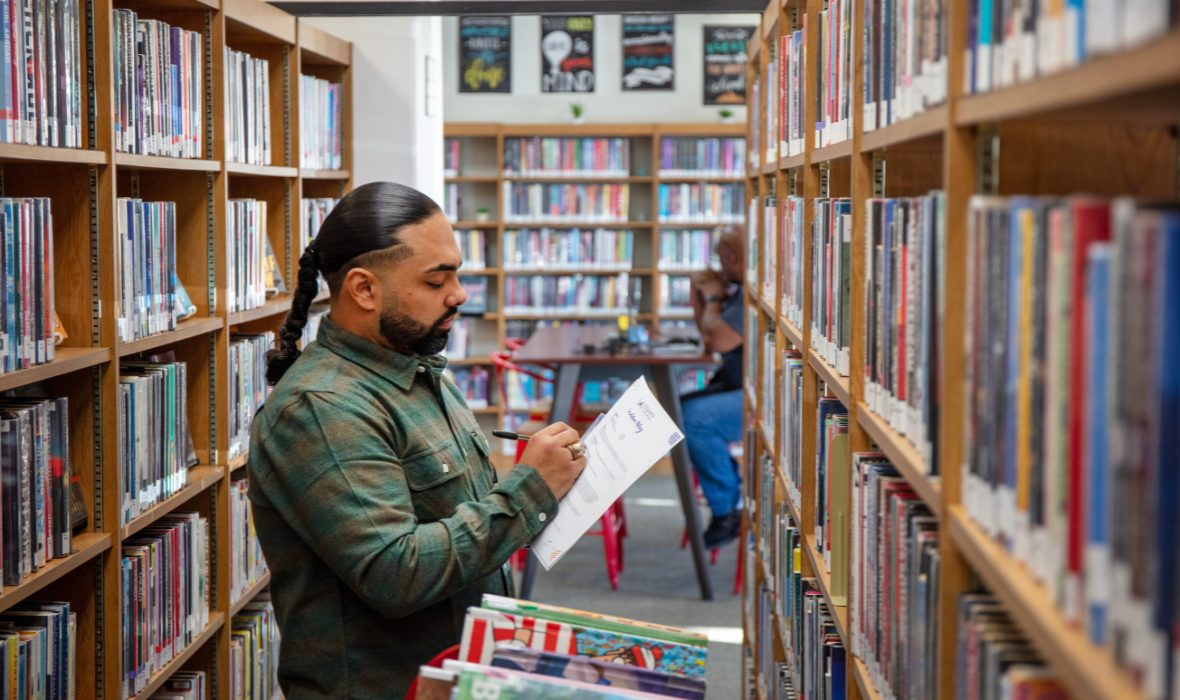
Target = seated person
(713,415)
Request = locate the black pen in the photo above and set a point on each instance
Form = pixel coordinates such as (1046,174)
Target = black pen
(509,435)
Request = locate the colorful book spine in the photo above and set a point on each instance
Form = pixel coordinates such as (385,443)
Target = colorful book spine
(686,250)
(540,157)
(578,295)
(700,203)
(320,123)
(248,386)
(702,157)
(248,128)
(247,565)
(566,202)
(568,249)
(246,235)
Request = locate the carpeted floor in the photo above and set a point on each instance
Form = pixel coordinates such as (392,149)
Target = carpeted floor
(658,583)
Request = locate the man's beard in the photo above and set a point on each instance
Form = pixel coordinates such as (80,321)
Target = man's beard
(410,337)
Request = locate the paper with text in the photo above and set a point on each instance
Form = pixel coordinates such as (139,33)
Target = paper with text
(623,444)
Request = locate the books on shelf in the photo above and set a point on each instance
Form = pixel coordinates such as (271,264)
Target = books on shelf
(27,292)
(767,403)
(769,256)
(692,156)
(159,87)
(755,108)
(1073,308)
(687,250)
(893,580)
(451,157)
(43,74)
(833,78)
(459,341)
(905,251)
(39,647)
(753,251)
(321,123)
(693,379)
(568,249)
(472,247)
(832,493)
(248,388)
(314,211)
(254,645)
(751,375)
(165,604)
(247,108)
(771,113)
(791,426)
(567,157)
(245,235)
(905,67)
(35,497)
(701,203)
(566,203)
(154,434)
(793,242)
(831,281)
(147,248)
(582,295)
(993,658)
(472,383)
(792,51)
(183,685)
(247,565)
(451,202)
(675,295)
(476,287)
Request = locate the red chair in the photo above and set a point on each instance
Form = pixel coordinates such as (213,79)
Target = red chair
(436,662)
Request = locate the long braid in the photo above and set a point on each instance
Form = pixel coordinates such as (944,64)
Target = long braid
(291,332)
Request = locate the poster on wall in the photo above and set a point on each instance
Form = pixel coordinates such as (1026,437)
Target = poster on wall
(567,54)
(647,52)
(485,54)
(725,64)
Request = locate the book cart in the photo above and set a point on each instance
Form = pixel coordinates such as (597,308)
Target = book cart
(480,178)
(1106,127)
(83,185)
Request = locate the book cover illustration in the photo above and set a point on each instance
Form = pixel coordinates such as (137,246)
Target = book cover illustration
(598,620)
(484,630)
(598,672)
(479,683)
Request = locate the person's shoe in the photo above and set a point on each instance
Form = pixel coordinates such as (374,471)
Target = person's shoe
(723,529)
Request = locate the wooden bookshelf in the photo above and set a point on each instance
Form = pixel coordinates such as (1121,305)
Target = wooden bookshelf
(84,185)
(1077,130)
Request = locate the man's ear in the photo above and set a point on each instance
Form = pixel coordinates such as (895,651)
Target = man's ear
(362,287)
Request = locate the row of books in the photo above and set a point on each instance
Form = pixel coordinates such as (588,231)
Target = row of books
(750,376)
(147,248)
(905,251)
(159,87)
(566,203)
(1073,310)
(254,645)
(313,211)
(690,156)
(833,80)
(568,249)
(606,391)
(154,433)
(675,294)
(791,276)
(994,659)
(693,379)
(183,685)
(247,108)
(769,257)
(1008,45)
(791,68)
(472,247)
(768,404)
(165,596)
(791,424)
(246,246)
(905,68)
(472,383)
(26,275)
(831,281)
(321,123)
(35,496)
(581,295)
(248,387)
(771,118)
(459,341)
(567,157)
(39,653)
(247,565)
(451,202)
(43,73)
(451,157)
(755,101)
(701,203)
(688,249)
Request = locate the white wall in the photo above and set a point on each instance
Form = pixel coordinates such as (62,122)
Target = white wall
(394,138)
(608,103)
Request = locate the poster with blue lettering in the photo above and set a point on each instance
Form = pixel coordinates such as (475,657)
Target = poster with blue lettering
(647,52)
(485,54)
(725,64)
(567,54)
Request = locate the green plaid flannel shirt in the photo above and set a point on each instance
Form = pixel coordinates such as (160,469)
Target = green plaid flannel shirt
(375,505)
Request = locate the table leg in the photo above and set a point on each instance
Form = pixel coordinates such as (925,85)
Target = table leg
(670,399)
(564,388)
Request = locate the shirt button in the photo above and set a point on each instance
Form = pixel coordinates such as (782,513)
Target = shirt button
(542,517)
(421,369)
(446,469)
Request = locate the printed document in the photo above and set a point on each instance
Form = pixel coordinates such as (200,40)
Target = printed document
(623,444)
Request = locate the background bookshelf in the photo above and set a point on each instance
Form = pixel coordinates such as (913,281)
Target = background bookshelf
(84,185)
(1101,127)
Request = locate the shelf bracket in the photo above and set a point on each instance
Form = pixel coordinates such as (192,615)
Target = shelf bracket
(287,115)
(878,174)
(987,160)
(793,182)
(96,425)
(209,85)
(135,184)
(825,179)
(91,83)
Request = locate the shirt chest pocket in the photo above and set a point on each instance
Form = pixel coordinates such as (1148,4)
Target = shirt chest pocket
(439,482)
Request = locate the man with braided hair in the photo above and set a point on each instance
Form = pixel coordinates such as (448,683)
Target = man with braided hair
(375,503)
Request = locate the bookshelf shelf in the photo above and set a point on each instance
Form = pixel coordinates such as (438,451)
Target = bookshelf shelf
(47,154)
(792,161)
(467,361)
(486,410)
(199,479)
(794,335)
(280,304)
(86,547)
(864,681)
(558,179)
(575,271)
(819,570)
(1139,81)
(216,620)
(319,47)
(188,328)
(472,178)
(840,386)
(260,170)
(587,224)
(903,455)
(258,22)
(930,123)
(1088,671)
(66,360)
(836,150)
(768,168)
(138,162)
(672,179)
(767,307)
(249,594)
(238,462)
(474,224)
(324,174)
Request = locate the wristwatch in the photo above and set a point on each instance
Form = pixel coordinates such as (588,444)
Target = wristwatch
(714,297)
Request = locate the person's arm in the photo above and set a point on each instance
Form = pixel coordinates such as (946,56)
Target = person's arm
(717,335)
(344,492)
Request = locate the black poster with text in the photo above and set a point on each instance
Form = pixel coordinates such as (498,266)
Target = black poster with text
(725,64)
(485,54)
(647,52)
(567,54)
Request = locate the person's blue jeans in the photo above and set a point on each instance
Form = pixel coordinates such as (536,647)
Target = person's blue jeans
(711,422)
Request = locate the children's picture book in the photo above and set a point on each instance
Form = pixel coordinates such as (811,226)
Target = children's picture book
(609,623)
(598,672)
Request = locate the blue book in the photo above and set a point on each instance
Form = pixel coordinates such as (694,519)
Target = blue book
(1167,371)
(1097,571)
(887,310)
(839,675)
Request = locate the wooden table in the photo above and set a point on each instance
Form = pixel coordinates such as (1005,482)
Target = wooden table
(563,347)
